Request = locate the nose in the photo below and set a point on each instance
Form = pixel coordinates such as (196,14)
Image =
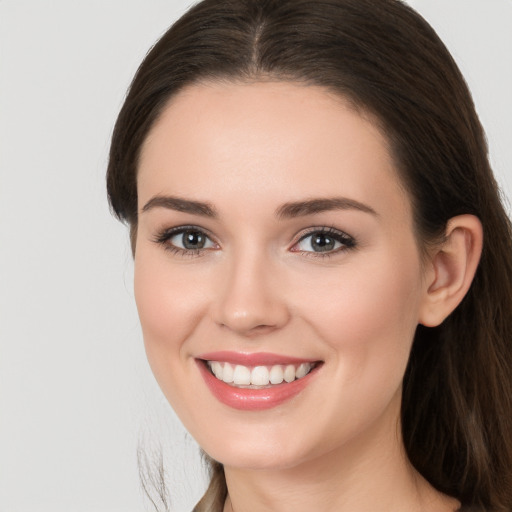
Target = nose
(251,300)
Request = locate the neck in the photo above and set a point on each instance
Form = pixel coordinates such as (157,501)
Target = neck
(368,474)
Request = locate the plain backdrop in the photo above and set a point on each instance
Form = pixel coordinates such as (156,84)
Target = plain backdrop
(76,395)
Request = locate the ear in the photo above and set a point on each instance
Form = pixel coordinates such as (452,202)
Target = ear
(452,266)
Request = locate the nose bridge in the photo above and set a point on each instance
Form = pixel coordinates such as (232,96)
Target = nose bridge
(249,299)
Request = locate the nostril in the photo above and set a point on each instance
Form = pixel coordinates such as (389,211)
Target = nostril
(262,329)
(250,331)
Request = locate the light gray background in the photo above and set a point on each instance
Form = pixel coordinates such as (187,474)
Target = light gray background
(76,395)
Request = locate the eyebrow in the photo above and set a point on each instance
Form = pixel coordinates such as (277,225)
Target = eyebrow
(180,205)
(313,206)
(286,211)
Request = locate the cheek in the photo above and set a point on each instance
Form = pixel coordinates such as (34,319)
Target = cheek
(168,305)
(369,315)
(367,318)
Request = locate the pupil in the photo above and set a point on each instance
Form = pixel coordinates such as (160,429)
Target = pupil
(322,243)
(193,240)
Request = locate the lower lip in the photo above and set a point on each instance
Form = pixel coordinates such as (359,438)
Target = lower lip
(247,399)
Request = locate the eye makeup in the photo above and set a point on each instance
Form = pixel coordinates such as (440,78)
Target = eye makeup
(323,242)
(186,240)
(318,241)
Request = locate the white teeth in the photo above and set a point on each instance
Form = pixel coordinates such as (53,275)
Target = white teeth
(240,375)
(302,370)
(227,373)
(217,369)
(289,373)
(260,376)
(276,374)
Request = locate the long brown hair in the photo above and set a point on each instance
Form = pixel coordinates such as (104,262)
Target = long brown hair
(382,56)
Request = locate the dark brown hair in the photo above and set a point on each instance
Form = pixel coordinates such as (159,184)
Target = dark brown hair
(384,58)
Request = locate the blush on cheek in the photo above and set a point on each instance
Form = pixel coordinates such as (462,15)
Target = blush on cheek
(170,303)
(162,317)
(151,304)
(371,315)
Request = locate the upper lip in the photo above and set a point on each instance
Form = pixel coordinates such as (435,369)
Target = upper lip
(253,358)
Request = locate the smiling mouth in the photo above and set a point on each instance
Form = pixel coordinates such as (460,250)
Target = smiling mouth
(257,381)
(258,377)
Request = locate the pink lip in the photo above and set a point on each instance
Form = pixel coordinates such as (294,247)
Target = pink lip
(247,399)
(252,359)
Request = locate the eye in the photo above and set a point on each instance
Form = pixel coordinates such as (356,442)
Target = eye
(186,239)
(191,240)
(325,240)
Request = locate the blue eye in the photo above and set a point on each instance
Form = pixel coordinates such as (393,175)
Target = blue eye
(324,241)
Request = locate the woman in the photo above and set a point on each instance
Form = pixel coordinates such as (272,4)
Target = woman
(322,262)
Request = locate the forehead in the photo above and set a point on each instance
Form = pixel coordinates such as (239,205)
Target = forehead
(270,141)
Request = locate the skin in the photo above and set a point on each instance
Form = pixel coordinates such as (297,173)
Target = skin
(246,150)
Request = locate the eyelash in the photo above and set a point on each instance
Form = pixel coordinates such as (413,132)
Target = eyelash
(164,237)
(347,242)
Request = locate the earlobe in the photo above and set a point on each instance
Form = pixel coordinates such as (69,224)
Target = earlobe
(453,266)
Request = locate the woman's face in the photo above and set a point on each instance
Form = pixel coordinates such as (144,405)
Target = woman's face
(275,239)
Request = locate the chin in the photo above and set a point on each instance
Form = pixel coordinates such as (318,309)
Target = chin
(257,460)
(261,451)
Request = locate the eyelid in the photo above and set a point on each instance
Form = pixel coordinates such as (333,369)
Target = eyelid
(163,237)
(348,242)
